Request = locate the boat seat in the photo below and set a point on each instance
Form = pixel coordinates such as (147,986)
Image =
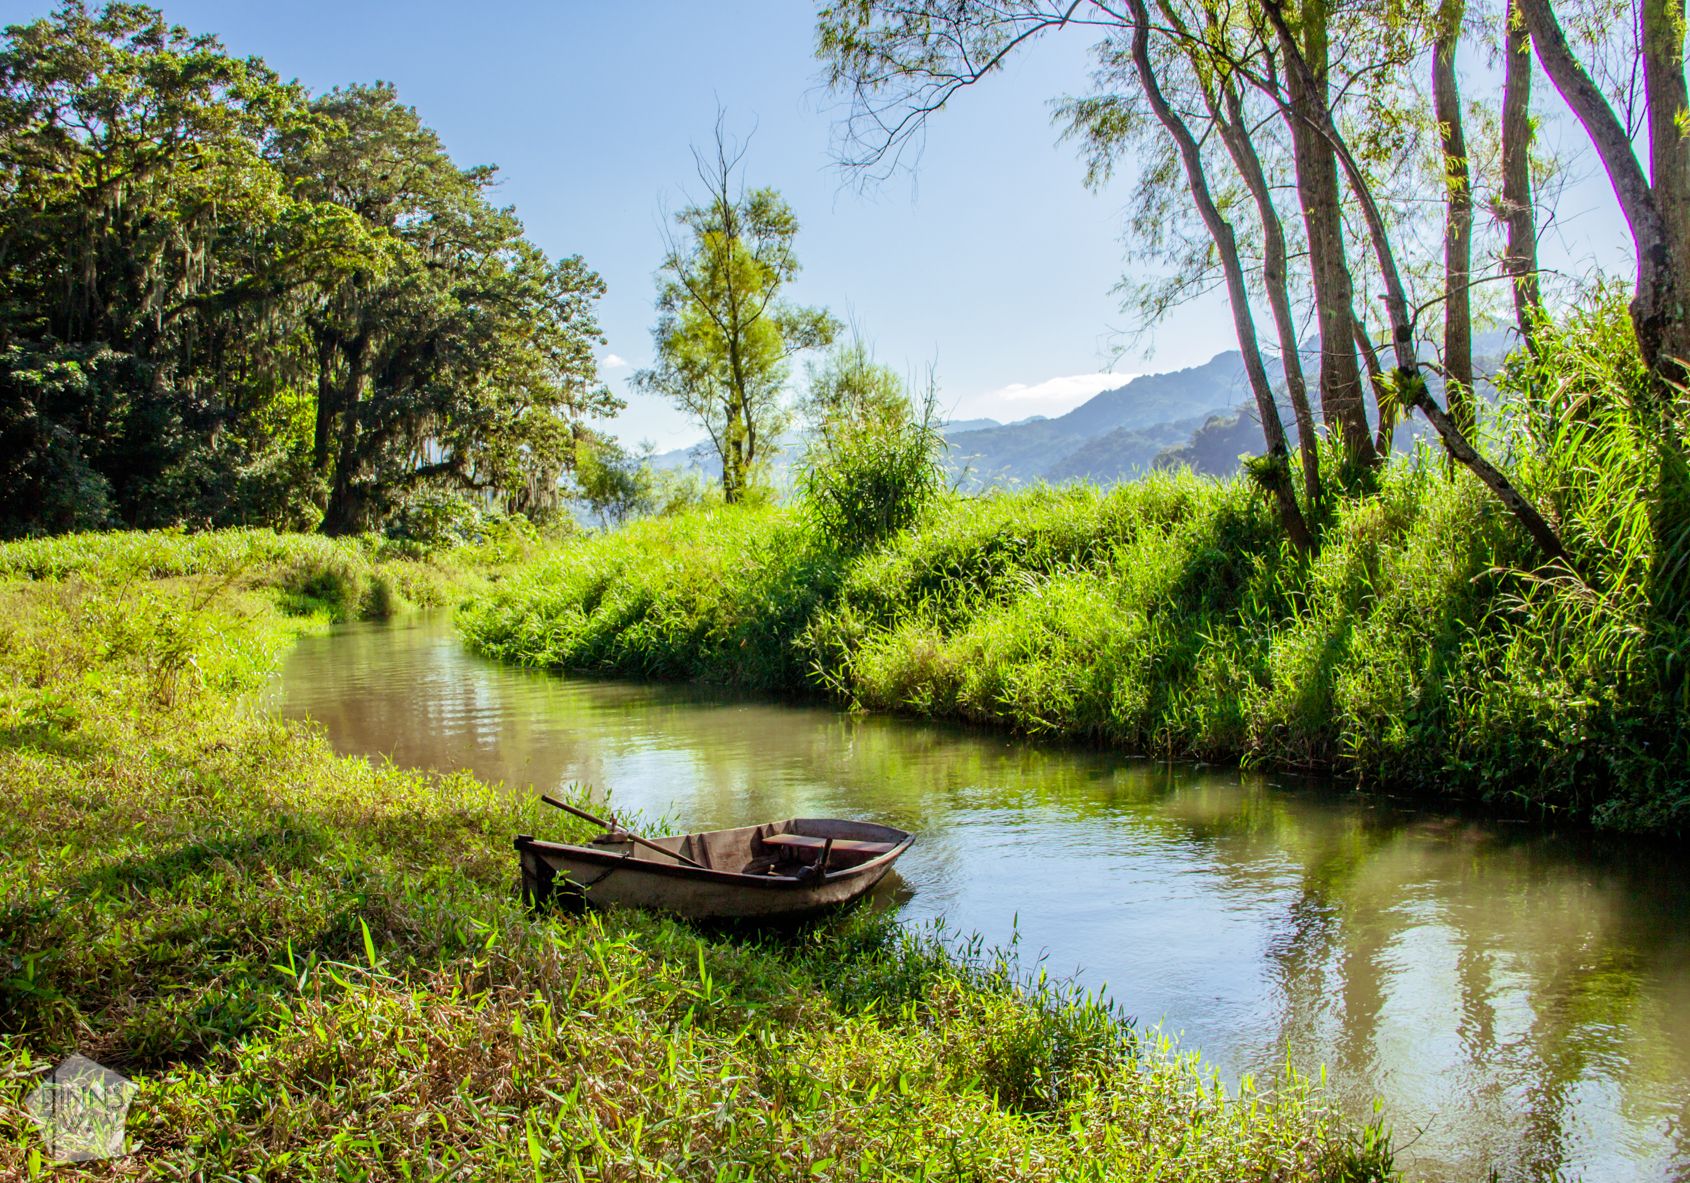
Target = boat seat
(841,845)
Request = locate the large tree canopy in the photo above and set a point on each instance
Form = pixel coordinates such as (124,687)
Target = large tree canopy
(224,300)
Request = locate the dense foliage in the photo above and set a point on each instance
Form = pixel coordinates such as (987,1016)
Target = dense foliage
(1169,616)
(875,459)
(314,967)
(226,300)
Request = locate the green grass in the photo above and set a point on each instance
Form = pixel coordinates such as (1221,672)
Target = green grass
(343,579)
(1421,650)
(316,968)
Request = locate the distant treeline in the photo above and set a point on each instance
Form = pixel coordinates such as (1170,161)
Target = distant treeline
(227,300)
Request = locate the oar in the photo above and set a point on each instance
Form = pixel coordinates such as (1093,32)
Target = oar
(599,821)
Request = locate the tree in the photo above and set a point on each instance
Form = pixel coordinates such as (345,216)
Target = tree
(724,338)
(901,63)
(1275,471)
(459,352)
(874,461)
(1656,204)
(1458,216)
(225,301)
(149,241)
(614,485)
(1410,384)
(1308,96)
(847,383)
(1514,201)
(1227,111)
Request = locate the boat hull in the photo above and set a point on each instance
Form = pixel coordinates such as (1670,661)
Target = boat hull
(785,881)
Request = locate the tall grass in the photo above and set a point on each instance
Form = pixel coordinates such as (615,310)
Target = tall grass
(341,578)
(316,967)
(1422,649)
(714,595)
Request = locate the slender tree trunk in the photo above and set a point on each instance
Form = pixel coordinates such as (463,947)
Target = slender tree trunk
(1230,118)
(1386,430)
(1655,214)
(1519,260)
(739,398)
(1458,221)
(1410,383)
(1669,171)
(1669,109)
(733,466)
(1342,404)
(1277,474)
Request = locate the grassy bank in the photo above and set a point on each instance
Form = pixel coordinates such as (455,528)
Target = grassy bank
(1166,617)
(315,968)
(340,579)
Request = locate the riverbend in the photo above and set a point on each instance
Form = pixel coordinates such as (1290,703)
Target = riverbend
(1519,1000)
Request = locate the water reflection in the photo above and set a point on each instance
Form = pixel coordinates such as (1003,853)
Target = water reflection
(1520,999)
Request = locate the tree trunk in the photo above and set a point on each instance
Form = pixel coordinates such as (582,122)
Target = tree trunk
(1342,404)
(1519,260)
(347,506)
(1669,172)
(1386,431)
(1235,134)
(1411,386)
(1669,108)
(1458,221)
(1542,533)
(1276,473)
(1658,317)
(322,428)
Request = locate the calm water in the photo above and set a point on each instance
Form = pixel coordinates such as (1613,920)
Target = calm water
(1521,1001)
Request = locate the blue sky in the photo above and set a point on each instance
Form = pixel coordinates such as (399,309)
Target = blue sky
(993,263)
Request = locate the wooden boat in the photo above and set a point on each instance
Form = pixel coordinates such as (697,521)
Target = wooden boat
(776,871)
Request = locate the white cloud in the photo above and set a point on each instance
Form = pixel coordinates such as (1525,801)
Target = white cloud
(1053,396)
(613,361)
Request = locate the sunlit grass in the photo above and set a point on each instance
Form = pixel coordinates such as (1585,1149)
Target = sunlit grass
(317,968)
(1423,648)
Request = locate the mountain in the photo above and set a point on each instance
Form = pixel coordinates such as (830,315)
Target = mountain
(1216,447)
(958,426)
(1204,417)
(1111,437)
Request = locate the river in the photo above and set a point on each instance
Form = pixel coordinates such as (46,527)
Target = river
(1520,1001)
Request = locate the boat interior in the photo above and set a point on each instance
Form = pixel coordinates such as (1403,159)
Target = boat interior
(783,848)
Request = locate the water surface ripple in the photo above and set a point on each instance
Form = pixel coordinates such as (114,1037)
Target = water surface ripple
(1520,1001)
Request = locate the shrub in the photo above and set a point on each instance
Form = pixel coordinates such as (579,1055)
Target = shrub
(333,583)
(874,464)
(381,599)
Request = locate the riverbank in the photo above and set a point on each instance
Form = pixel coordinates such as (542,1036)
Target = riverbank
(315,967)
(1166,617)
